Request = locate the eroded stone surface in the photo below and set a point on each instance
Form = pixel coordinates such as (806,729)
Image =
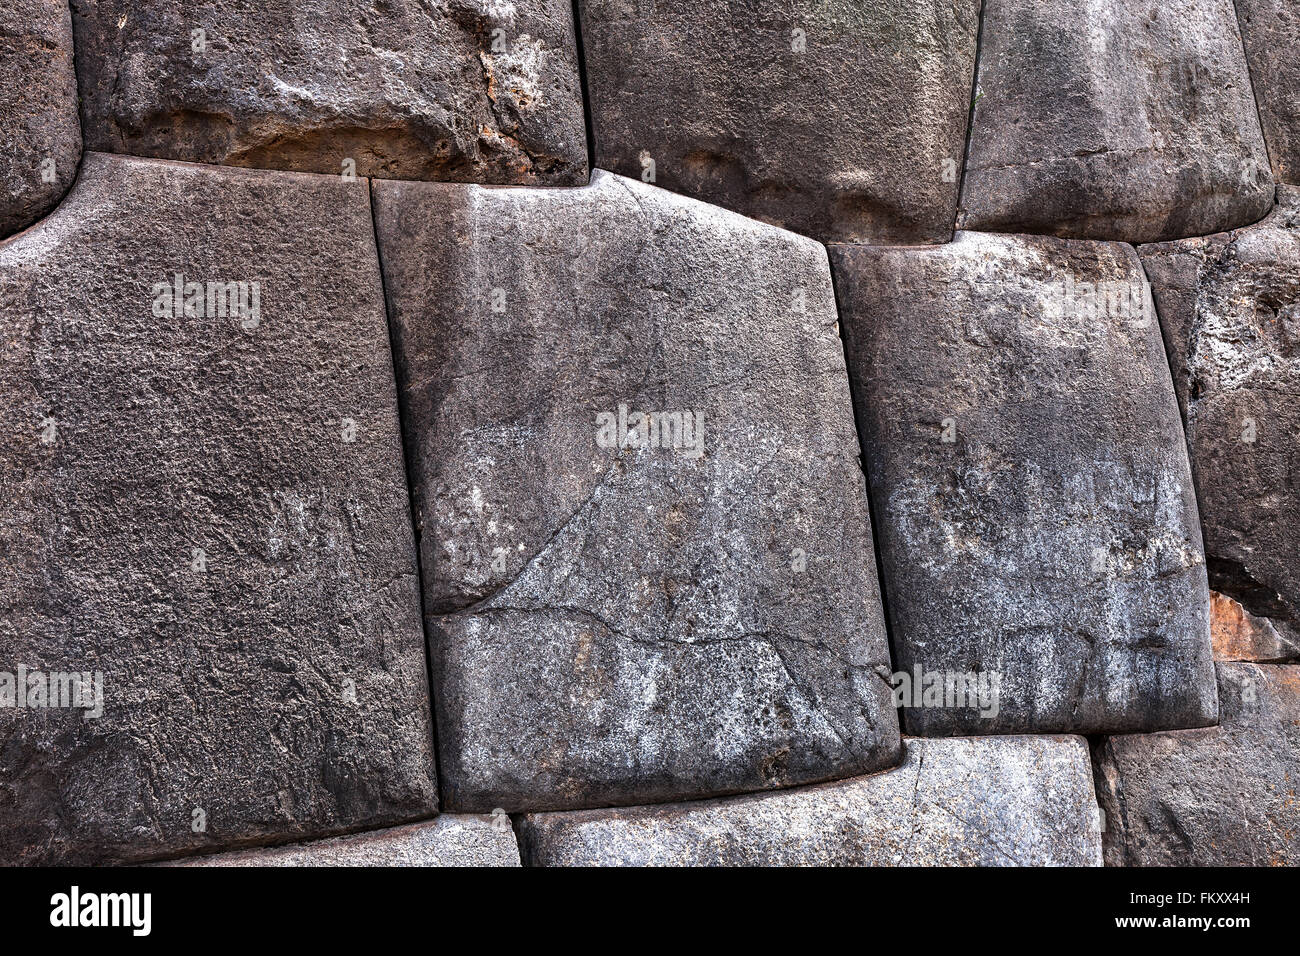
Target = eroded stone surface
(1221,796)
(611,626)
(1238,635)
(1230,309)
(469,90)
(211,510)
(1030,482)
(845,121)
(981,801)
(1271,29)
(449,840)
(40,137)
(1130,120)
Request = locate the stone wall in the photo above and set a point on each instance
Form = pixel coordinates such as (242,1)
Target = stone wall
(641,432)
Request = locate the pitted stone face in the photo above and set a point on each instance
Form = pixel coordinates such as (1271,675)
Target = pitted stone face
(1128,120)
(1030,484)
(623,610)
(980,801)
(451,839)
(1222,796)
(845,121)
(474,91)
(1271,29)
(1230,308)
(40,136)
(206,512)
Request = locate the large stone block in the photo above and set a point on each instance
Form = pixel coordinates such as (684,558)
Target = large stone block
(1222,796)
(844,120)
(1030,483)
(1271,29)
(449,840)
(623,612)
(469,91)
(40,136)
(980,801)
(206,513)
(1113,119)
(1230,308)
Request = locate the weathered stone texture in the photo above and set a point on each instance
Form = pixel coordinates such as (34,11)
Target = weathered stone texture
(1030,482)
(1222,796)
(1238,635)
(40,136)
(449,840)
(845,120)
(186,512)
(1129,120)
(611,626)
(1271,29)
(1230,309)
(983,801)
(468,90)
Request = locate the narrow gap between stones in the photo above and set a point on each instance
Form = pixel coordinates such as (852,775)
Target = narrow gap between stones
(866,481)
(1254,93)
(408,456)
(970,116)
(586,90)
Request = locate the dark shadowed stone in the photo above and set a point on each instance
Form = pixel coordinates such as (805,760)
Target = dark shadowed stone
(449,840)
(1132,121)
(1271,29)
(612,626)
(1230,308)
(40,137)
(979,801)
(1222,796)
(210,510)
(844,120)
(468,90)
(1030,482)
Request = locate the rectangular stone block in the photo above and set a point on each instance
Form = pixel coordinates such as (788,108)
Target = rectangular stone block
(845,121)
(621,609)
(448,840)
(1230,309)
(1030,484)
(1221,796)
(979,801)
(1126,120)
(207,530)
(471,91)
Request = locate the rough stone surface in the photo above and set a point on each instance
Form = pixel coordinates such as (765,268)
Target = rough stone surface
(851,129)
(449,840)
(464,90)
(185,513)
(1129,120)
(981,801)
(1230,308)
(1238,635)
(1030,482)
(611,626)
(1222,796)
(1271,29)
(40,137)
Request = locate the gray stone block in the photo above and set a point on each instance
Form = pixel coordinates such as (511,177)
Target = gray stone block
(1030,483)
(208,508)
(845,121)
(977,801)
(1129,120)
(612,619)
